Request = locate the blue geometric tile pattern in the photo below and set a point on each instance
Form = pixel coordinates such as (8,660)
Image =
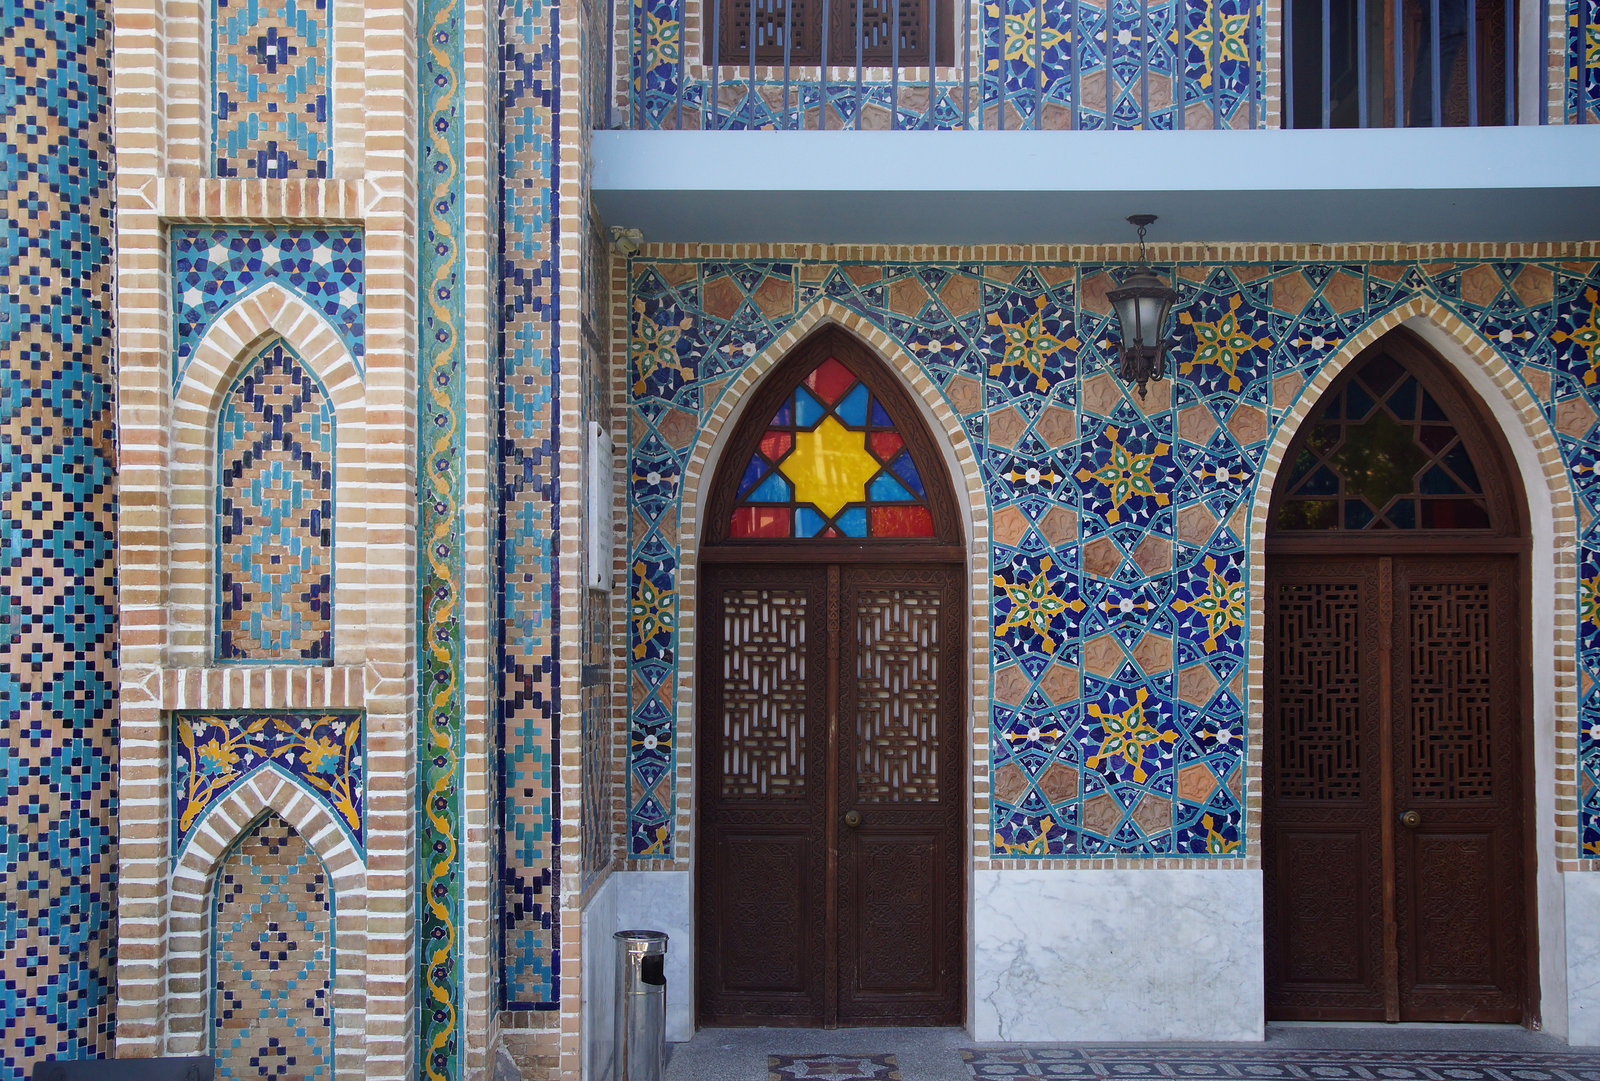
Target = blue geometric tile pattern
(1041,64)
(270,62)
(58,672)
(274,533)
(1119,598)
(213,267)
(272,959)
(213,752)
(1583,61)
(529,674)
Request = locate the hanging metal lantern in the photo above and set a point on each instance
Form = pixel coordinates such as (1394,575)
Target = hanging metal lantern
(1142,304)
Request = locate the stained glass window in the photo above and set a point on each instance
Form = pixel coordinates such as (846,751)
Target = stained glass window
(1382,454)
(832,463)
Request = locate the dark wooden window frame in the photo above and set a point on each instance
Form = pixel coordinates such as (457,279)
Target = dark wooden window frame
(733,41)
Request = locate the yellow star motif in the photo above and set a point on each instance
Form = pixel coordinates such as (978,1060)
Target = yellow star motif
(1586,337)
(830,467)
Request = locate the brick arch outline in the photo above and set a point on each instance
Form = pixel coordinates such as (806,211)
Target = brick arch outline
(955,447)
(232,342)
(188,953)
(1553,664)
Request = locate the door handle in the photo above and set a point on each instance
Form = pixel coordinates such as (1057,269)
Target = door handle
(1411,820)
(852,819)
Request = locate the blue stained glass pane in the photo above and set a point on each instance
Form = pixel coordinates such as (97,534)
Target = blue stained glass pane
(752,473)
(1403,402)
(885,489)
(807,522)
(1356,514)
(1322,482)
(1430,408)
(906,470)
(1460,462)
(807,410)
(784,415)
(1358,403)
(853,410)
(880,415)
(1404,514)
(852,522)
(1437,482)
(773,490)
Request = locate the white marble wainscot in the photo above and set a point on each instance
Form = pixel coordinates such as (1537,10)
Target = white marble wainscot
(599,981)
(1583,957)
(664,901)
(1117,955)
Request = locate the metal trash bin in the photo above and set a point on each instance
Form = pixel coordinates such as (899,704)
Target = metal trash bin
(640,1053)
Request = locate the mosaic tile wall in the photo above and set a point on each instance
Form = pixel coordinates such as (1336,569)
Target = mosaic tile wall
(441,555)
(1034,64)
(274,534)
(1583,60)
(58,518)
(213,752)
(271,106)
(272,959)
(214,267)
(528,520)
(1118,533)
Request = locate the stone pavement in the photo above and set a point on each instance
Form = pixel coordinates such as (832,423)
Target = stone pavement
(1322,1052)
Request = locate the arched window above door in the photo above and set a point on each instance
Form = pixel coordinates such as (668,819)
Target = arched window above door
(831,449)
(1393,446)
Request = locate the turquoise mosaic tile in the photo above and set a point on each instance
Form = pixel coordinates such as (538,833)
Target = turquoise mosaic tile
(1119,610)
(271,100)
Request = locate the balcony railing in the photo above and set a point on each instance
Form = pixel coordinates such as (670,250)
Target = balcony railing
(1120,64)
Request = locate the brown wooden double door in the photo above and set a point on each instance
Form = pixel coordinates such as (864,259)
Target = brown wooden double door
(1394,813)
(830,883)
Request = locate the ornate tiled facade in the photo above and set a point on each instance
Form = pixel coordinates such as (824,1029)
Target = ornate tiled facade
(272,959)
(1119,530)
(215,267)
(58,614)
(275,510)
(529,666)
(214,752)
(271,105)
(1030,64)
(1583,61)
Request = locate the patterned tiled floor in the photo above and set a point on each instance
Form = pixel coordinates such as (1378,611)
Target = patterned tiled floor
(1290,1053)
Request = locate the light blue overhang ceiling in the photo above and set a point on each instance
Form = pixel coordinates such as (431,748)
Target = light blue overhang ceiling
(1011,187)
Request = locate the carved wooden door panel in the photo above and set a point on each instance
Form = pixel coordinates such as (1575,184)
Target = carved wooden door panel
(1393,816)
(900,797)
(1458,853)
(831,796)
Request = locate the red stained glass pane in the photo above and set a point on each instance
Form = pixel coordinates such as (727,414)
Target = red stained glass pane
(885,445)
(901,521)
(776,444)
(761,522)
(830,380)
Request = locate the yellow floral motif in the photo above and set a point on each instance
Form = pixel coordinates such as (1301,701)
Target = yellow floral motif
(1039,846)
(1591,39)
(1216,843)
(1222,344)
(650,611)
(1128,735)
(654,347)
(322,747)
(1227,32)
(1125,474)
(1222,605)
(1586,337)
(1025,38)
(1028,345)
(658,847)
(1589,600)
(1035,605)
(661,41)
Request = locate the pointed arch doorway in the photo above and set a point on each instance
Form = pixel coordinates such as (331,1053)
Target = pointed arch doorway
(1395,850)
(830,779)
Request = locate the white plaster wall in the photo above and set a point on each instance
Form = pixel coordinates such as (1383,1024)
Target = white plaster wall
(662,901)
(1117,955)
(599,981)
(1583,958)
